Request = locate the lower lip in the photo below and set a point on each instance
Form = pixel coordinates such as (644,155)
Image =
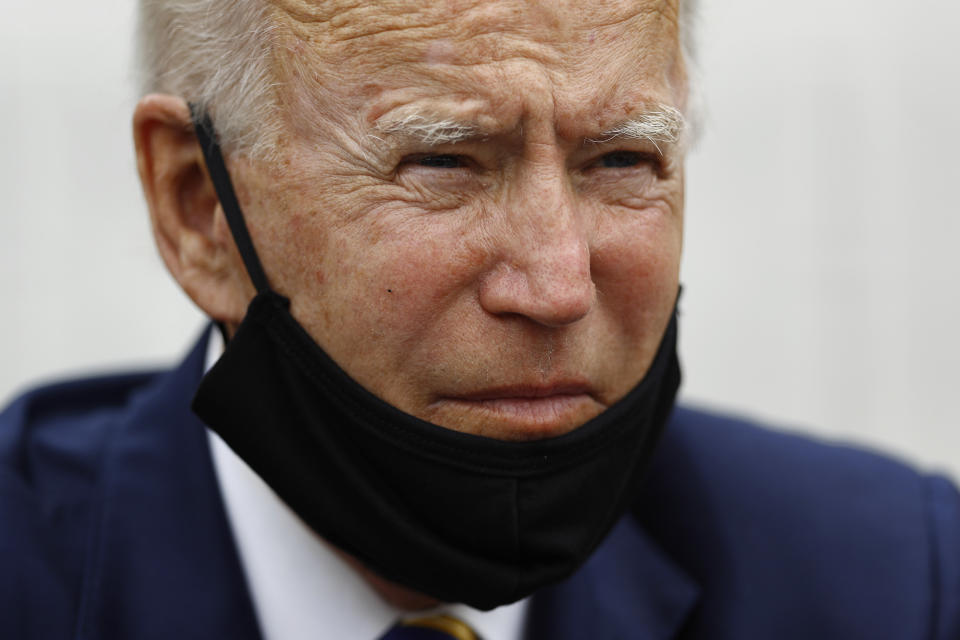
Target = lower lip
(524,418)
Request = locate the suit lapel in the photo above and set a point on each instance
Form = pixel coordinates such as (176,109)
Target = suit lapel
(163,562)
(629,588)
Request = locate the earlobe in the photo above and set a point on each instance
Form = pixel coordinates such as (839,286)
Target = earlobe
(187,221)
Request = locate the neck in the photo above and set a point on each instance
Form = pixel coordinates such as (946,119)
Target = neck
(392,593)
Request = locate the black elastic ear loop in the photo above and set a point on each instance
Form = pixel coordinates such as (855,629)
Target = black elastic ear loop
(206,136)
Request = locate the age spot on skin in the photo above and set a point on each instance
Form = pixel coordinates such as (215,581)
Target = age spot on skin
(440,52)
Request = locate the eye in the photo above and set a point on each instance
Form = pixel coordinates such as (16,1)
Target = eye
(441,161)
(622,159)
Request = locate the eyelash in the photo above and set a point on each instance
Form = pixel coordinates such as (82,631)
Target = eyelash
(441,161)
(620,160)
(626,160)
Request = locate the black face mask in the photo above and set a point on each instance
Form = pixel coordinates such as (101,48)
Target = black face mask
(458,517)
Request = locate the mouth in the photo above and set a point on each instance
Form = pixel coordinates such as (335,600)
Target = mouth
(519,412)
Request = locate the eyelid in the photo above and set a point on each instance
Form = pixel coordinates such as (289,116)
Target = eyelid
(414,159)
(652,158)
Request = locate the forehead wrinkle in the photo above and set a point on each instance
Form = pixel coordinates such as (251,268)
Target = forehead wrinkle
(480,64)
(340,12)
(385,21)
(380,57)
(305,11)
(629,12)
(491,33)
(388,24)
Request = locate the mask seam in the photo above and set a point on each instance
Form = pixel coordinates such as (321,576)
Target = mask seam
(516,536)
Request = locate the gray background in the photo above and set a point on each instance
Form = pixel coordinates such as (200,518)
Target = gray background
(822,220)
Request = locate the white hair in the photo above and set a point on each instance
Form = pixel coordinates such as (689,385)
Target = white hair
(661,124)
(217,55)
(429,131)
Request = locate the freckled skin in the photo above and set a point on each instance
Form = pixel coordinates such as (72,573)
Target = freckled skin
(533,262)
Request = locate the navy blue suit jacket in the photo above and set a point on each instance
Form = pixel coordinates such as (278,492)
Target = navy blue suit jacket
(112,526)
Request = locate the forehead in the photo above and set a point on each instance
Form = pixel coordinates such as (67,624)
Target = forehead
(393,20)
(500,59)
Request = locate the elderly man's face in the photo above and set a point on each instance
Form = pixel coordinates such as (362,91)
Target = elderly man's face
(457,220)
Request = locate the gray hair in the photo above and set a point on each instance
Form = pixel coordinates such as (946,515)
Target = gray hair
(217,55)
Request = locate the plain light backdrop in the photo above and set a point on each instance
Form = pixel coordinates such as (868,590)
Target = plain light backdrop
(822,225)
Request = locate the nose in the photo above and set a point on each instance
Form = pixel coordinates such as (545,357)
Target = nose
(544,273)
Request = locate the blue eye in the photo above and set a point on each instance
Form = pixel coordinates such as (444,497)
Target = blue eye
(443,161)
(621,159)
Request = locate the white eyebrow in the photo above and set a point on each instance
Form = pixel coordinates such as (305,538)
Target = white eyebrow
(423,129)
(661,124)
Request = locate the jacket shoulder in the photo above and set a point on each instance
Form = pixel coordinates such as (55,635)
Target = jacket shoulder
(52,446)
(851,536)
(51,436)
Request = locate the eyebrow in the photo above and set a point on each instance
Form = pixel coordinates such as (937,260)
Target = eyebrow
(657,124)
(427,130)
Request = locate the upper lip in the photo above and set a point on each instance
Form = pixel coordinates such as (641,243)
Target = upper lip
(521,391)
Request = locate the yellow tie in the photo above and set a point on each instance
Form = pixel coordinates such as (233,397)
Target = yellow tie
(447,624)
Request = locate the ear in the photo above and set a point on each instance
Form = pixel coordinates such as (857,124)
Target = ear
(188,222)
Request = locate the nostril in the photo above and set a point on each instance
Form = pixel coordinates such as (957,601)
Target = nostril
(548,296)
(566,302)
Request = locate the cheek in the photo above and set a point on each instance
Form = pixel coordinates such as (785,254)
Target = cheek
(636,270)
(301,264)
(392,287)
(642,246)
(419,279)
